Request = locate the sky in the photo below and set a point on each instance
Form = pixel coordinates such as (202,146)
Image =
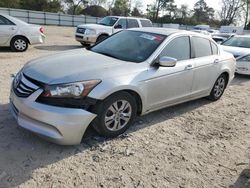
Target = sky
(212,3)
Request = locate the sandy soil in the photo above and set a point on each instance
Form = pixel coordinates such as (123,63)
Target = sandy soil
(193,145)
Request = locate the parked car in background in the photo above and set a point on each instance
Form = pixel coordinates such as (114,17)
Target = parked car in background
(221,37)
(243,65)
(92,33)
(18,34)
(131,73)
(239,46)
(204,32)
(202,27)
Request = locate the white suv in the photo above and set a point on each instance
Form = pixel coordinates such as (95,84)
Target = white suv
(92,33)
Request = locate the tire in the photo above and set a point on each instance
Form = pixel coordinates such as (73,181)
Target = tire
(19,44)
(85,44)
(218,88)
(101,38)
(118,118)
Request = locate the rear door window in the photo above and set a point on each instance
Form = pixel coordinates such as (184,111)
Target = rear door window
(5,21)
(132,23)
(202,47)
(146,23)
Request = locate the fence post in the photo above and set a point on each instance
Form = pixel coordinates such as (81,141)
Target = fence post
(59,19)
(85,19)
(28,13)
(9,10)
(96,20)
(44,15)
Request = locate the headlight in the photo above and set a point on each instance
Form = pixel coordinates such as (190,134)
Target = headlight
(90,32)
(245,58)
(71,90)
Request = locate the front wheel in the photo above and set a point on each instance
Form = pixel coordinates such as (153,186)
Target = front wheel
(101,38)
(219,88)
(19,44)
(115,114)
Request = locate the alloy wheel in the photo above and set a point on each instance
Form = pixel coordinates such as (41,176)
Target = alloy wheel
(118,115)
(219,87)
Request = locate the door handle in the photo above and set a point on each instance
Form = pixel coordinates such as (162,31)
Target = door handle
(216,61)
(189,67)
(12,28)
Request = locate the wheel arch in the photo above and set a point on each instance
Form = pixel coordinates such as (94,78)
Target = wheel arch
(20,36)
(103,33)
(227,74)
(140,99)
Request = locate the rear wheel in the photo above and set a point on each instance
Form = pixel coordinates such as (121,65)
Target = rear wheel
(219,88)
(19,44)
(115,114)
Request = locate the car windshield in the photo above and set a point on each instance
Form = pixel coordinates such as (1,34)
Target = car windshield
(108,21)
(243,42)
(132,46)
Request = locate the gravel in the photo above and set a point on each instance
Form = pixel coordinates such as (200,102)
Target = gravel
(196,144)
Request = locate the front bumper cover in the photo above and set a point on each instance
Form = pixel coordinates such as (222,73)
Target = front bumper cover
(65,126)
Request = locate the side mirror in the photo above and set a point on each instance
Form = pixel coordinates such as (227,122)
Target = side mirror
(166,61)
(118,26)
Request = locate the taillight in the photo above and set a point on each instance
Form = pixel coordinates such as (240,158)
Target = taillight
(41,29)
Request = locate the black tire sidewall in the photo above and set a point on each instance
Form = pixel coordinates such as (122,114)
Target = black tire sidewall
(101,38)
(101,108)
(12,46)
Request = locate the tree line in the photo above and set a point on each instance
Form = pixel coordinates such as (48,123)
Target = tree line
(160,11)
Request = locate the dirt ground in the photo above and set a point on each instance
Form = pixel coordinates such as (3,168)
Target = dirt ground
(194,145)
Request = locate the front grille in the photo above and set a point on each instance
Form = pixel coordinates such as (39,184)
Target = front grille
(23,86)
(80,30)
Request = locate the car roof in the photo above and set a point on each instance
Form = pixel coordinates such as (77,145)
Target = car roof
(168,31)
(129,17)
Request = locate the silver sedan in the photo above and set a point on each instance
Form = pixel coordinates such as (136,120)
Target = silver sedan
(131,73)
(18,34)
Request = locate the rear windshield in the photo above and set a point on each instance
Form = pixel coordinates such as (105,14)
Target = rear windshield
(146,23)
(132,46)
(243,42)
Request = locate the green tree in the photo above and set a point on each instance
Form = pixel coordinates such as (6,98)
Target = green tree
(121,8)
(183,11)
(203,13)
(75,6)
(135,12)
(95,10)
(41,5)
(9,3)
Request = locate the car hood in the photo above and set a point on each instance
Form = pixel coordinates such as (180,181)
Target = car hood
(77,65)
(236,51)
(94,26)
